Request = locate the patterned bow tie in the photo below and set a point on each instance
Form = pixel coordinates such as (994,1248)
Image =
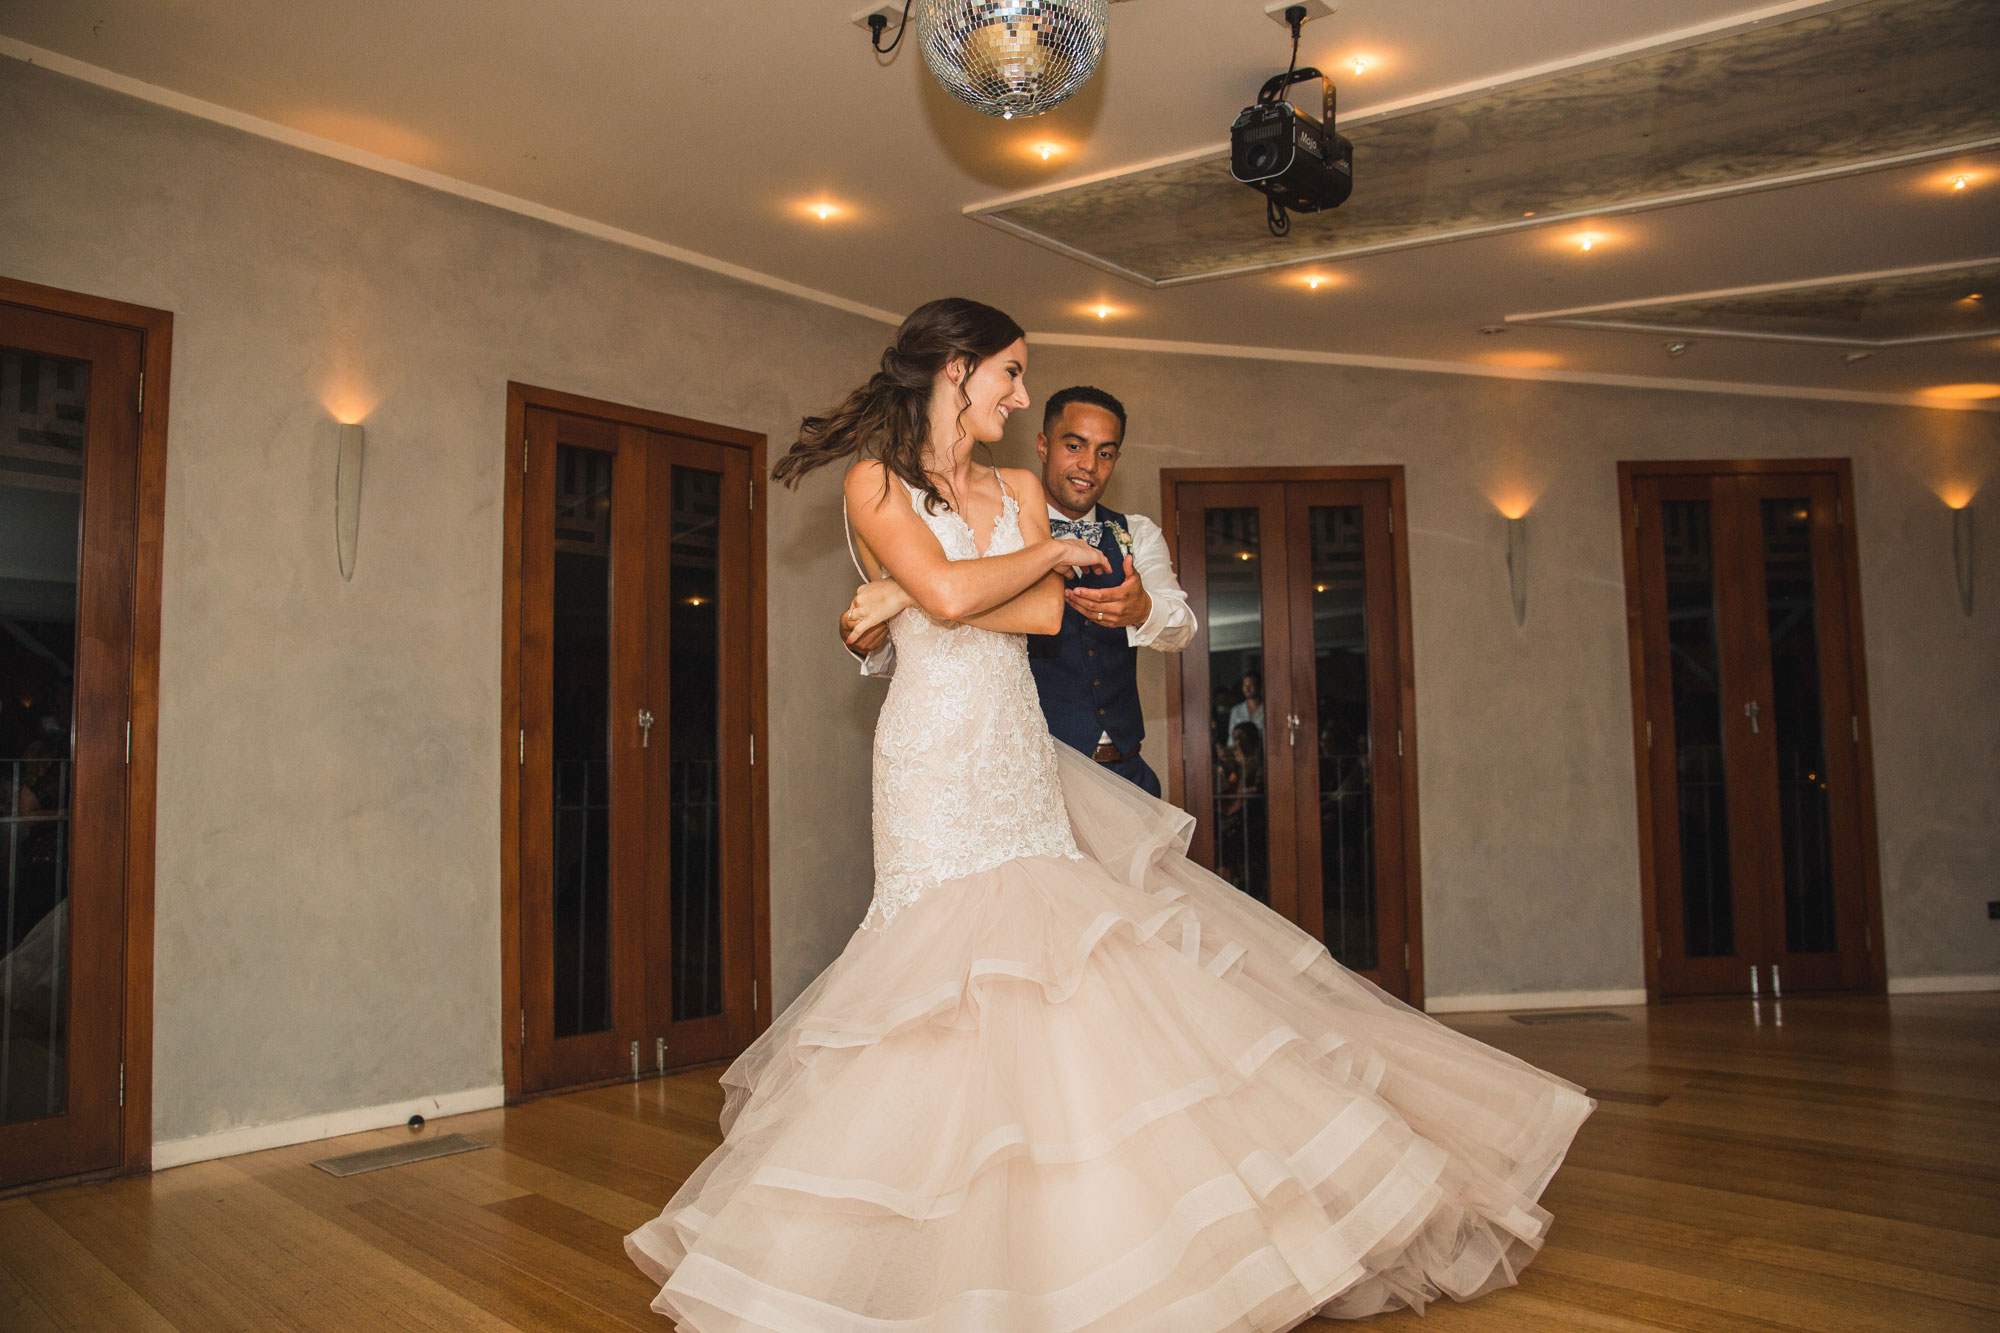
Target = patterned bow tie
(1090,530)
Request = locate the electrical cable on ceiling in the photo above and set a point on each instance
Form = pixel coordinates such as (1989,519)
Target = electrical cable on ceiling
(1275,216)
(876,25)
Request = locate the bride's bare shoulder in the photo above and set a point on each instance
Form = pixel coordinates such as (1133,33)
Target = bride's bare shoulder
(865,483)
(1026,486)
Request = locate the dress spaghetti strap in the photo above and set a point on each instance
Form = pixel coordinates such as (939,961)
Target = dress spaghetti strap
(852,554)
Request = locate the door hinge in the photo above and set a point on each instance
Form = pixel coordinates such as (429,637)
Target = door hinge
(753,749)
(1854,727)
(524,453)
(752,488)
(142,412)
(524,1025)
(1868,939)
(1399,742)
(1392,520)
(753,995)
(1406,955)
(1659,948)
(1840,513)
(128,742)
(521,755)
(121,1082)
(1649,733)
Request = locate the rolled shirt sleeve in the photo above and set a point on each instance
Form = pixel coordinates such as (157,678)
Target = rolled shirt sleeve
(1170,626)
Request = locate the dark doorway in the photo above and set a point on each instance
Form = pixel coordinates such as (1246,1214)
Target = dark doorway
(637,670)
(1755,801)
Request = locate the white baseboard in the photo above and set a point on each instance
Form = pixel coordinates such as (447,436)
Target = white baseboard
(332,1124)
(1976,981)
(1546,999)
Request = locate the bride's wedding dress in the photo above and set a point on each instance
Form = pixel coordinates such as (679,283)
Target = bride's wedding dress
(1064,1079)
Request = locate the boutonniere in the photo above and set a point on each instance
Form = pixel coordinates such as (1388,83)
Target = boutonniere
(1124,537)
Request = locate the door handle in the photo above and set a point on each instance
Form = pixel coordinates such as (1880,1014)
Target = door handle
(1750,710)
(645,727)
(1291,729)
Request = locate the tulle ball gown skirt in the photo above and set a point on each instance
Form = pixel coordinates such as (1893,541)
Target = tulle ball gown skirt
(1076,1096)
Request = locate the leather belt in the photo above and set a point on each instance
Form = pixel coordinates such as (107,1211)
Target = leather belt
(1107,754)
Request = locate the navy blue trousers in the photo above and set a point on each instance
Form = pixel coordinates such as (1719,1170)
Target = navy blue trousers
(1136,771)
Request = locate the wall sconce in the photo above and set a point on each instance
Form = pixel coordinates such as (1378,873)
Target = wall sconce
(1961,554)
(1517,566)
(347,496)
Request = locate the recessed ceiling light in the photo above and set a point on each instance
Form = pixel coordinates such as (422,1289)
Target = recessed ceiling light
(1101,310)
(1312,282)
(1678,347)
(1961,180)
(1491,330)
(1047,150)
(1530,213)
(1586,240)
(1362,64)
(824,210)
(1523,359)
(1852,357)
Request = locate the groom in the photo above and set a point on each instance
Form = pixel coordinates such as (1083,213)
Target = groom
(1088,674)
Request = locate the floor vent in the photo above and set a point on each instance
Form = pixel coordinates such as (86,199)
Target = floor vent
(401,1154)
(1571,1016)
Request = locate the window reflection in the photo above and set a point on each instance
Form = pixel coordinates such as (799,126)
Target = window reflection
(1235,620)
(42,411)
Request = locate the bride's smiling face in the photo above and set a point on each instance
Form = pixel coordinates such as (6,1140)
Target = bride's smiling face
(996,388)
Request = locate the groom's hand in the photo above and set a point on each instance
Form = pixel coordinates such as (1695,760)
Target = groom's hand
(1114,608)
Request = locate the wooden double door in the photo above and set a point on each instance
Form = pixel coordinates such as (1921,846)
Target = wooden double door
(635,819)
(71,585)
(1755,798)
(1295,733)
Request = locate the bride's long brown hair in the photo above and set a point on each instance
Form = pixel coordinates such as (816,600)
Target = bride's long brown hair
(889,416)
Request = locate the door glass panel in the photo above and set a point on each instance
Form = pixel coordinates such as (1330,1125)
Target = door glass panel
(1799,733)
(42,401)
(1235,620)
(581,672)
(695,688)
(1693,646)
(1346,781)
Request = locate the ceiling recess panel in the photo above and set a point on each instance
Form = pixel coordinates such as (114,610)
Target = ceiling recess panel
(1841,89)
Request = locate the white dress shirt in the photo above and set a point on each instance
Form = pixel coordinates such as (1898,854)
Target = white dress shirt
(1169,626)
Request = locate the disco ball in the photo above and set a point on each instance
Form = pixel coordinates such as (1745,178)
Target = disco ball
(1012,58)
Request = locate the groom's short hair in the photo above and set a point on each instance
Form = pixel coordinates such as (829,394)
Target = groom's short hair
(1089,396)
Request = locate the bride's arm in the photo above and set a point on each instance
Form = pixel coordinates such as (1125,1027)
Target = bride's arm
(963,590)
(1029,612)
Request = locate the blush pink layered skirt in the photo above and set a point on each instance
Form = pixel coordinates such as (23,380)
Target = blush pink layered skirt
(1076,1096)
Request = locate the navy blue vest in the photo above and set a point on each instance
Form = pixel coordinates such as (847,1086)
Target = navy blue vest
(1087,675)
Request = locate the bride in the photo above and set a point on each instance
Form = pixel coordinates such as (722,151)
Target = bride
(1062,1079)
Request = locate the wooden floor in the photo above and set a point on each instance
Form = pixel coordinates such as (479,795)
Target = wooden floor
(1828,1167)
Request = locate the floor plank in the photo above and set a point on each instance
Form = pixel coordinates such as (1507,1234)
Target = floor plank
(1827,1164)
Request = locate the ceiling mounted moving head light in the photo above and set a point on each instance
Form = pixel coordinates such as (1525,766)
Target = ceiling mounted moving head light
(1008,58)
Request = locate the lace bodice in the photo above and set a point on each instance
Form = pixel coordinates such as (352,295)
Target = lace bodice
(965,768)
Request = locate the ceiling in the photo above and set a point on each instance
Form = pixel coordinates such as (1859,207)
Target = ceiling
(711,125)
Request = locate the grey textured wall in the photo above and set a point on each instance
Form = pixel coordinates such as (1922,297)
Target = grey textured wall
(328,832)
(1527,800)
(328,887)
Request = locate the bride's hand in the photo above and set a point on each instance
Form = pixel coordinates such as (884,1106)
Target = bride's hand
(1079,556)
(874,604)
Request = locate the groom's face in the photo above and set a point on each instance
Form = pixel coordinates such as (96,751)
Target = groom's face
(1079,452)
